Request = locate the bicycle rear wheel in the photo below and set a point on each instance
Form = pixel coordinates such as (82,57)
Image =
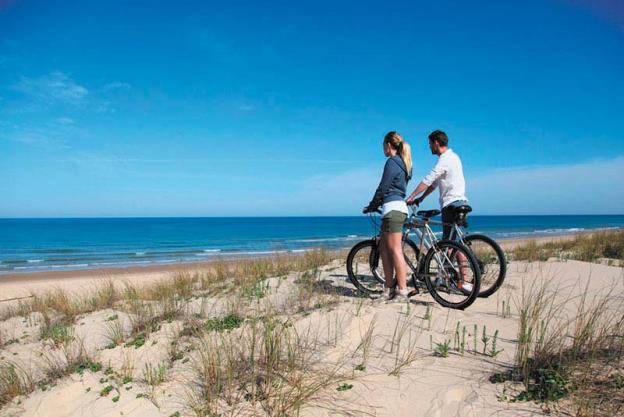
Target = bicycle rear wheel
(451,274)
(360,267)
(491,261)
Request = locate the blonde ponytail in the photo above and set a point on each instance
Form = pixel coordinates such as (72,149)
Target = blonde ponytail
(406,155)
(403,149)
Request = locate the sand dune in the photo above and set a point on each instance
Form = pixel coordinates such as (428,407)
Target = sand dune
(396,373)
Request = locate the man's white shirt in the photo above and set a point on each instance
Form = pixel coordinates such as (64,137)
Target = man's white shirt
(448,175)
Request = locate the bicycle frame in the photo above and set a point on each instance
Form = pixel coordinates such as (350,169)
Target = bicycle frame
(420,226)
(456,234)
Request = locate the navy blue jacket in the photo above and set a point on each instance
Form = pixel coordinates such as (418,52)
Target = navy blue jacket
(393,183)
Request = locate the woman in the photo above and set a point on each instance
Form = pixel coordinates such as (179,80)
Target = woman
(390,196)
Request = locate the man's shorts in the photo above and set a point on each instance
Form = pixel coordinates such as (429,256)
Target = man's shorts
(393,222)
(448,218)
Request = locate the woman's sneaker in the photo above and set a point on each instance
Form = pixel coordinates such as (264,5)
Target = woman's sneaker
(387,294)
(402,295)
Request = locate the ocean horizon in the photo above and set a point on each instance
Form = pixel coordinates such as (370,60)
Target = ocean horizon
(52,244)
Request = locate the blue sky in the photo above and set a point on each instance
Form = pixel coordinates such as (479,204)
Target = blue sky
(210,109)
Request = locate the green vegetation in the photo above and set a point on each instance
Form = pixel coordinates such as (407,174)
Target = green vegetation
(229,322)
(58,332)
(88,365)
(137,342)
(442,349)
(585,247)
(559,356)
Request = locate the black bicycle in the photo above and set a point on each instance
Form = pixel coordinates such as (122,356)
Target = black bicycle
(448,269)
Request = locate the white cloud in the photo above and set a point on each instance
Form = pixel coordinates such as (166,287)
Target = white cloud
(53,88)
(595,187)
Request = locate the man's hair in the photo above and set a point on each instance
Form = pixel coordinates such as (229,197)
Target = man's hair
(440,137)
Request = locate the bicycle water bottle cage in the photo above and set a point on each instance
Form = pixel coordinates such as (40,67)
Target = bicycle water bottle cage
(460,215)
(428,213)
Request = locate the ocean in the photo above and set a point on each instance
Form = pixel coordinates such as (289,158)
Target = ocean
(28,245)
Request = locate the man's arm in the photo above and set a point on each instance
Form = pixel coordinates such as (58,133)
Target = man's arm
(428,189)
(430,182)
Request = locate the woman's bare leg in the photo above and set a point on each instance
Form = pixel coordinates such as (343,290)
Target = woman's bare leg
(394,243)
(386,258)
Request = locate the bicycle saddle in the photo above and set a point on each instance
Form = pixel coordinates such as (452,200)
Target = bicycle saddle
(460,214)
(465,209)
(428,213)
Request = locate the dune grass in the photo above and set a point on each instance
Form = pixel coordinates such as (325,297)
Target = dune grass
(148,306)
(584,247)
(568,346)
(14,381)
(264,367)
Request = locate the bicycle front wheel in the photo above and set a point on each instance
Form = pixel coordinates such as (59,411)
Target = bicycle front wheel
(361,266)
(451,274)
(491,261)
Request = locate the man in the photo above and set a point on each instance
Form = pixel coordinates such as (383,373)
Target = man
(448,176)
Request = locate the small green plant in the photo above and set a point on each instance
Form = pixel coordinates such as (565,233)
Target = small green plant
(549,385)
(442,349)
(344,387)
(154,375)
(137,342)
(229,322)
(258,289)
(90,365)
(463,340)
(474,338)
(485,339)
(115,398)
(58,332)
(360,367)
(111,318)
(106,390)
(428,316)
(493,350)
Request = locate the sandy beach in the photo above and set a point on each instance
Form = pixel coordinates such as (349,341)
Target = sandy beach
(384,357)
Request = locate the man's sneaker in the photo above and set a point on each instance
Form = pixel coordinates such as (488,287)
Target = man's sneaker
(464,288)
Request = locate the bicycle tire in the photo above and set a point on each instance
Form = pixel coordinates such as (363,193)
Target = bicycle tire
(359,267)
(452,247)
(489,283)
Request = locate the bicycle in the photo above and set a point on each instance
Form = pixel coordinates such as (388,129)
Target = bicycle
(490,257)
(445,269)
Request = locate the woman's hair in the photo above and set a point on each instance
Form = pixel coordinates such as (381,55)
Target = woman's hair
(403,149)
